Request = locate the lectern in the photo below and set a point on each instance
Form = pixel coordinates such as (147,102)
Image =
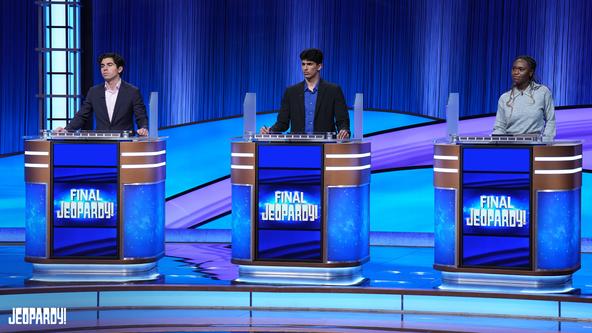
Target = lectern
(300,209)
(94,206)
(507,213)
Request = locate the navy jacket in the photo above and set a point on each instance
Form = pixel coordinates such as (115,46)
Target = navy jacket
(129,104)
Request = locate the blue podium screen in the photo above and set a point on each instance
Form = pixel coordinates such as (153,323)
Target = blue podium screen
(496,208)
(289,220)
(85,201)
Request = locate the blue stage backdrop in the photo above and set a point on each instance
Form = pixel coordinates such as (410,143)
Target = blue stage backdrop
(18,84)
(202,56)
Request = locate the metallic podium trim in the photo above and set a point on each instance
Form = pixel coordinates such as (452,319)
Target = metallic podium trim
(242,167)
(142,146)
(557,172)
(446,157)
(343,177)
(242,154)
(142,162)
(557,158)
(557,167)
(346,164)
(347,155)
(143,166)
(36,153)
(148,153)
(506,283)
(447,166)
(347,168)
(90,272)
(445,170)
(37,161)
(347,148)
(296,275)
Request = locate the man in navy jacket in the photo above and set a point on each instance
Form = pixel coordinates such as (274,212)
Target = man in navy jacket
(114,103)
(313,105)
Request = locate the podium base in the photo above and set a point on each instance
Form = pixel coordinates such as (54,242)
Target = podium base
(503,283)
(290,275)
(94,272)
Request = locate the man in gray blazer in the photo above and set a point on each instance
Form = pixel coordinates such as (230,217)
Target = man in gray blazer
(313,105)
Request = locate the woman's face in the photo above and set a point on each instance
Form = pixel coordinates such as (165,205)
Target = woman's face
(521,72)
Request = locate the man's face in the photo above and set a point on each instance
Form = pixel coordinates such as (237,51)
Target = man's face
(109,69)
(310,69)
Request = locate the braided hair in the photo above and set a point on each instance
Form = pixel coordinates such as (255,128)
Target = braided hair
(532,83)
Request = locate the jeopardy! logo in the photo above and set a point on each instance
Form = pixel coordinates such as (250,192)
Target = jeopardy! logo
(37,316)
(85,204)
(496,211)
(290,206)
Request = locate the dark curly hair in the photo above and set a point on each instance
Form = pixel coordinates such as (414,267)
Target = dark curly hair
(315,55)
(117,59)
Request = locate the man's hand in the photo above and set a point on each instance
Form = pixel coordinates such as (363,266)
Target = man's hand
(343,134)
(142,132)
(60,129)
(265,130)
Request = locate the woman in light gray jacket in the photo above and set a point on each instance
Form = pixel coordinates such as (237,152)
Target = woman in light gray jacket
(528,107)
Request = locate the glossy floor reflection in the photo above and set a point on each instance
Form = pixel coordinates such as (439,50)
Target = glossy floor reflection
(184,320)
(209,264)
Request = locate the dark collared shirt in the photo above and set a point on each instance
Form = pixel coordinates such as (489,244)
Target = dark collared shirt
(310,102)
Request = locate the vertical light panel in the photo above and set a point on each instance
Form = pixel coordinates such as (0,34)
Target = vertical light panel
(241,222)
(60,67)
(445,226)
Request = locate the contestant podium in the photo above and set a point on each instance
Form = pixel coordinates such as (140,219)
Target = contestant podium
(94,206)
(300,209)
(507,214)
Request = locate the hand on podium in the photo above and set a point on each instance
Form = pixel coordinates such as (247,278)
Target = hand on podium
(265,130)
(143,132)
(343,134)
(60,130)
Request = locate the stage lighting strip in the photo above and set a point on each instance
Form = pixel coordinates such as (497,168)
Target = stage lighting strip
(446,158)
(145,153)
(36,153)
(347,155)
(241,166)
(143,166)
(36,165)
(348,168)
(557,159)
(557,172)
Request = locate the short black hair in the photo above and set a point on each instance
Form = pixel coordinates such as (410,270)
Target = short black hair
(315,55)
(117,59)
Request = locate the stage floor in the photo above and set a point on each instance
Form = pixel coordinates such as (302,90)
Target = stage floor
(209,264)
(195,293)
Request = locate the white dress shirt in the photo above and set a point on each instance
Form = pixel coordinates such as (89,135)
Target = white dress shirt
(111,98)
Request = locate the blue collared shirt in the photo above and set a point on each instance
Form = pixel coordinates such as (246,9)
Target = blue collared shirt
(310,102)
